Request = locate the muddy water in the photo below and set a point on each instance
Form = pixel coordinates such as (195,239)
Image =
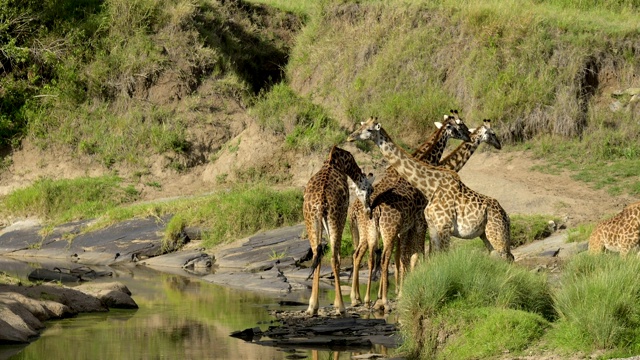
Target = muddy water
(178,318)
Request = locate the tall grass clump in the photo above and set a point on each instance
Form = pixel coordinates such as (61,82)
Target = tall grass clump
(307,127)
(242,211)
(65,200)
(449,286)
(598,303)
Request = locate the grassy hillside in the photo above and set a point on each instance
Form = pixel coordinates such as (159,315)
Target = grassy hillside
(120,82)
(554,75)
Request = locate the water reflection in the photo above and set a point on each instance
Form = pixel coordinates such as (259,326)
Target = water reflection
(178,318)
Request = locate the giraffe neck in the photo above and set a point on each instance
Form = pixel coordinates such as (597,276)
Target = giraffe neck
(424,177)
(432,149)
(346,164)
(458,157)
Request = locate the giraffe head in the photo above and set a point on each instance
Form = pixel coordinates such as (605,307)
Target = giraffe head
(344,161)
(364,189)
(486,134)
(455,127)
(368,130)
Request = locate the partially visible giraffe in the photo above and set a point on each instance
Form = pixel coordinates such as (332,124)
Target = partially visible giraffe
(399,213)
(620,234)
(453,209)
(325,204)
(455,161)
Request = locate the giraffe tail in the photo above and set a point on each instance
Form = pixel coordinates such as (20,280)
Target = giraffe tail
(316,260)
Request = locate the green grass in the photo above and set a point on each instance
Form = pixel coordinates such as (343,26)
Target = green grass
(58,201)
(305,126)
(528,228)
(598,303)
(466,305)
(462,281)
(580,233)
(489,332)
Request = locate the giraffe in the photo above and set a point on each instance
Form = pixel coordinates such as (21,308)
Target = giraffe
(412,245)
(455,161)
(621,233)
(453,209)
(326,199)
(399,214)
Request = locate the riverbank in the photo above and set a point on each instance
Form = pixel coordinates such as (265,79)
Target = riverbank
(25,308)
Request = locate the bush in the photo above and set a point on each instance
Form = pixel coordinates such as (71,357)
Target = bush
(244,211)
(465,279)
(306,126)
(598,303)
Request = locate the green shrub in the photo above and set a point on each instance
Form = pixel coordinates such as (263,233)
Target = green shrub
(598,303)
(465,278)
(243,211)
(580,232)
(489,332)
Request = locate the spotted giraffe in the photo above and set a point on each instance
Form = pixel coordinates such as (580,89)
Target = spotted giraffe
(453,209)
(399,213)
(620,234)
(455,160)
(325,204)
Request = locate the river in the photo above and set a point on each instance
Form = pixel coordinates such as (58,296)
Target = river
(179,317)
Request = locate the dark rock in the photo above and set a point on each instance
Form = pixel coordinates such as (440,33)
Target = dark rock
(52,275)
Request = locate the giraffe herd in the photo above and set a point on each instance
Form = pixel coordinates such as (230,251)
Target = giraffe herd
(418,192)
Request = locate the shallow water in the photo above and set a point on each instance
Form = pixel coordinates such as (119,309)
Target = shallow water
(178,318)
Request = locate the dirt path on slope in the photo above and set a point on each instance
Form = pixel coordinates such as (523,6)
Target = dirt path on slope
(508,177)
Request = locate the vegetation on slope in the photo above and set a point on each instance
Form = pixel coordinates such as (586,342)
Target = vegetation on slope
(122,80)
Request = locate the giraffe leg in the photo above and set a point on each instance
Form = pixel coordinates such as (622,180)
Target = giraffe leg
(596,242)
(355,277)
(335,265)
(314,231)
(335,241)
(373,247)
(497,233)
(312,310)
(371,266)
(399,264)
(382,303)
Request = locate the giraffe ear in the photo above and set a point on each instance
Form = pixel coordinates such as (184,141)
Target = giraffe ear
(446,117)
(438,124)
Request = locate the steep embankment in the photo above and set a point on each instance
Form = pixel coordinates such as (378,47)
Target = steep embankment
(170,105)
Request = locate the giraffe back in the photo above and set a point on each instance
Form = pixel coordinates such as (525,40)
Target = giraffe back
(620,234)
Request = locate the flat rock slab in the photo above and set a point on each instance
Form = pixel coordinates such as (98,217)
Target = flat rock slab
(282,247)
(555,245)
(263,262)
(193,262)
(117,243)
(297,331)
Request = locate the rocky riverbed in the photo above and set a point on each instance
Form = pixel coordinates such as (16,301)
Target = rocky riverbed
(272,262)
